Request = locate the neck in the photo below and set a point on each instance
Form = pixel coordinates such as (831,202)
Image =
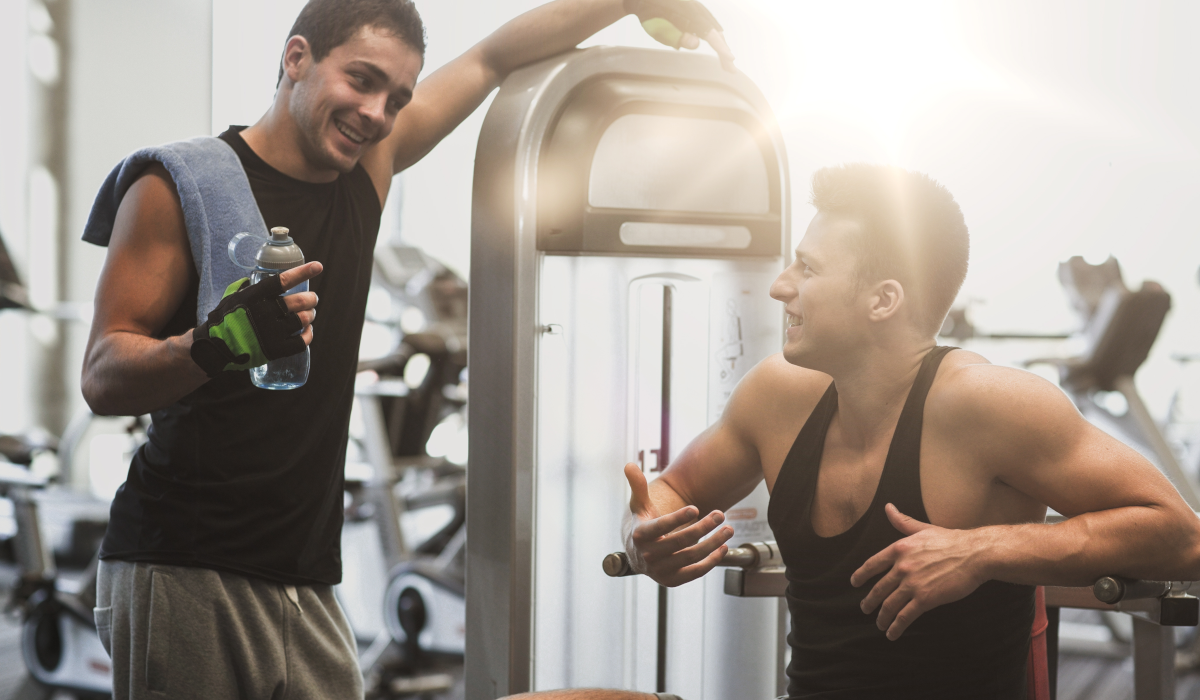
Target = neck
(872,390)
(277,139)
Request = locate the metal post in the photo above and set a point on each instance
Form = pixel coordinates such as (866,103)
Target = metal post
(379,454)
(664,446)
(47,180)
(781,656)
(1153,435)
(1153,660)
(33,551)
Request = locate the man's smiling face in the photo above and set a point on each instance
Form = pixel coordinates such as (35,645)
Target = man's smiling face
(823,300)
(348,101)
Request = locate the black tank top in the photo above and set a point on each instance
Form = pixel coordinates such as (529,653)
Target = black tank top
(243,479)
(974,648)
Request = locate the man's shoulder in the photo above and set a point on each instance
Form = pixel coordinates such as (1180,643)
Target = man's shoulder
(776,391)
(976,401)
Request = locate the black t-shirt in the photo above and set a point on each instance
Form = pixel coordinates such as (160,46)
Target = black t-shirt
(243,479)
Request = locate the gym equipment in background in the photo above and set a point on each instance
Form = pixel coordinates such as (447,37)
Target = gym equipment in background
(13,294)
(403,542)
(631,209)
(58,637)
(53,529)
(1119,328)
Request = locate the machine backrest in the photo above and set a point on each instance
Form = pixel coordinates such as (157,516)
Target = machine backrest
(1120,334)
(1085,284)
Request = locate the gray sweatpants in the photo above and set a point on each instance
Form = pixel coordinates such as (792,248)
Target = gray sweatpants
(185,633)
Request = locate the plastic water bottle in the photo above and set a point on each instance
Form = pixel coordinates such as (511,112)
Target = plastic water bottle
(276,254)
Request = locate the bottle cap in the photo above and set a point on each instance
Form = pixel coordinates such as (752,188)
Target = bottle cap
(280,252)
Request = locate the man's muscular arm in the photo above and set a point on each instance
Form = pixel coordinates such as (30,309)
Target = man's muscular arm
(1125,518)
(716,470)
(448,96)
(128,369)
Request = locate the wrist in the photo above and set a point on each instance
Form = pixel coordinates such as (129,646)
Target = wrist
(181,347)
(986,545)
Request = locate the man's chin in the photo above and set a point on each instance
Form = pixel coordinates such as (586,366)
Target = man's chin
(801,356)
(342,163)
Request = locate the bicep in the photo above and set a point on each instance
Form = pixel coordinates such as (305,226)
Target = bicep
(716,470)
(148,268)
(1039,444)
(764,414)
(1090,471)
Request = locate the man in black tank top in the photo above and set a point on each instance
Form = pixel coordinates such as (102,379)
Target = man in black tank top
(909,482)
(224,540)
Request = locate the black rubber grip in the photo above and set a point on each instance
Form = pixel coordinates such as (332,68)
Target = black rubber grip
(1114,589)
(617,564)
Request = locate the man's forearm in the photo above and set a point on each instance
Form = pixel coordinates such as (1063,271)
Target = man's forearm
(1153,543)
(131,374)
(546,31)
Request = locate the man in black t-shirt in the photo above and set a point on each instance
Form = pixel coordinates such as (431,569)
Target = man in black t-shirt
(216,571)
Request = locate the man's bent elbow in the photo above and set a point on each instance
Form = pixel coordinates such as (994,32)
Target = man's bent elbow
(1190,548)
(98,398)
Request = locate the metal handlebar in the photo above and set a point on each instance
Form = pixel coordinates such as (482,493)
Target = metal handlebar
(1114,589)
(752,555)
(765,555)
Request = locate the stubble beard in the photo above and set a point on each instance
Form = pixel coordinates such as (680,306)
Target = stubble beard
(313,143)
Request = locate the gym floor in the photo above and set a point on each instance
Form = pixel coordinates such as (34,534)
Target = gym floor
(1079,677)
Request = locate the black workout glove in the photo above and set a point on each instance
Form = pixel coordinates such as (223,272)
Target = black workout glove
(250,327)
(668,20)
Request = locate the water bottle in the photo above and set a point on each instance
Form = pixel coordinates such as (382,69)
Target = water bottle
(274,255)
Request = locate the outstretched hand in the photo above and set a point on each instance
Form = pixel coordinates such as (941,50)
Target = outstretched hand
(681,24)
(668,548)
(931,566)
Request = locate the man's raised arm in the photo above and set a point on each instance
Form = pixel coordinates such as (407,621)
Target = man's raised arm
(1125,518)
(443,100)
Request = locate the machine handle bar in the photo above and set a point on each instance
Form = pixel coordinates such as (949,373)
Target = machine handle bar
(1114,589)
(748,556)
(1109,589)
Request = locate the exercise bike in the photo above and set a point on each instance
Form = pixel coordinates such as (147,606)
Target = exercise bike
(59,643)
(406,482)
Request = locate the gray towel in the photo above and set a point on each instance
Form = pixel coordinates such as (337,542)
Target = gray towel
(217,205)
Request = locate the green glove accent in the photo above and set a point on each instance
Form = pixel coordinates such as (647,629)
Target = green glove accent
(663,31)
(668,20)
(250,327)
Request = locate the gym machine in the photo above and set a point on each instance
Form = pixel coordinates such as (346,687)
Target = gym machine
(399,490)
(630,212)
(1120,327)
(59,643)
(756,570)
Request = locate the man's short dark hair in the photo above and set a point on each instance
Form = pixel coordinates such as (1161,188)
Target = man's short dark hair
(912,231)
(327,24)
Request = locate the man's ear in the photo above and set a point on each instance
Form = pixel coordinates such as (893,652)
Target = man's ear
(886,300)
(297,56)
